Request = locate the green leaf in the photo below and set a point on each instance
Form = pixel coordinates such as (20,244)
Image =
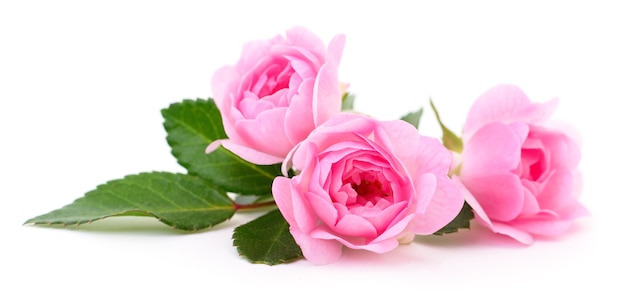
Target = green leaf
(461,221)
(181,201)
(347,102)
(450,140)
(266,240)
(413,117)
(191,126)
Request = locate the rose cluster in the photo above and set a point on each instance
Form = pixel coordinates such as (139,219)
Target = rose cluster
(350,180)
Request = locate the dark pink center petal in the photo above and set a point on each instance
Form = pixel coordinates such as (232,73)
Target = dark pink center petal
(535,159)
(272,78)
(371,187)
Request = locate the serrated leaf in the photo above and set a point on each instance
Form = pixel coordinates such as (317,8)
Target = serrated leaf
(413,117)
(347,102)
(461,221)
(450,140)
(191,126)
(266,240)
(181,201)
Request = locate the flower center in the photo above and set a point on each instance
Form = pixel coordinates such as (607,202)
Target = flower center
(370,187)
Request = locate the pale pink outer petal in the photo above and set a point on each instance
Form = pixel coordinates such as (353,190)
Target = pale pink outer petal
(213,146)
(327,89)
(482,218)
(354,225)
(255,51)
(381,246)
(489,160)
(557,191)
(421,154)
(223,85)
(323,208)
(501,196)
(220,83)
(513,232)
(248,154)
(545,227)
(531,206)
(306,40)
(444,206)
(339,128)
(281,191)
(305,214)
(574,210)
(298,121)
(317,250)
(264,135)
(506,104)
(495,148)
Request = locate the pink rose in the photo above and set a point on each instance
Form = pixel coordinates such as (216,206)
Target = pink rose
(279,90)
(365,184)
(519,174)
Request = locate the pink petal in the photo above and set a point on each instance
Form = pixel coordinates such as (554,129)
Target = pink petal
(483,219)
(382,246)
(354,225)
(506,104)
(495,148)
(323,208)
(445,205)
(563,151)
(479,213)
(386,218)
(513,232)
(250,155)
(220,84)
(545,227)
(573,210)
(317,251)
(281,191)
(531,206)
(265,133)
(557,191)
(254,52)
(304,39)
(213,146)
(299,118)
(501,196)
(397,230)
(327,90)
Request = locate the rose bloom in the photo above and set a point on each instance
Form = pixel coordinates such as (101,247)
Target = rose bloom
(518,173)
(365,184)
(278,91)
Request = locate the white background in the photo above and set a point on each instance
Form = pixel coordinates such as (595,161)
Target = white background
(82,85)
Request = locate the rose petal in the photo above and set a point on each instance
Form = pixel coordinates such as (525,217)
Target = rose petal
(281,191)
(249,154)
(495,148)
(316,250)
(501,196)
(300,111)
(557,191)
(506,104)
(265,134)
(445,205)
(381,246)
(327,92)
